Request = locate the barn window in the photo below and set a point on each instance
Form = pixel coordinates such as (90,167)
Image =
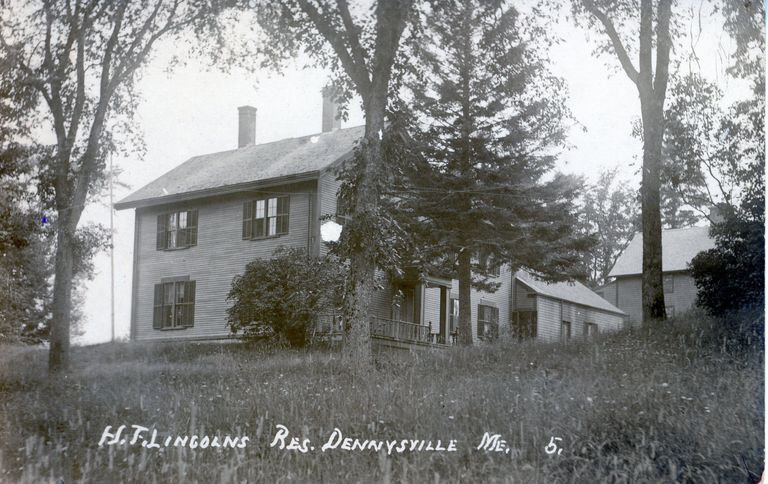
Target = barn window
(670,311)
(565,331)
(265,217)
(487,322)
(590,330)
(174,304)
(669,284)
(176,230)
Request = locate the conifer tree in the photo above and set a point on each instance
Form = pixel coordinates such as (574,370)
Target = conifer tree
(490,120)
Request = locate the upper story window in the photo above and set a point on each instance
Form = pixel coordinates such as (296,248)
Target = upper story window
(489,264)
(343,211)
(265,217)
(177,230)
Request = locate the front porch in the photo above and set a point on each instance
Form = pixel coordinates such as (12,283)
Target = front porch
(388,333)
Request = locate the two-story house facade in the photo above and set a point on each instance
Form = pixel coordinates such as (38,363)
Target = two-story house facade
(198,226)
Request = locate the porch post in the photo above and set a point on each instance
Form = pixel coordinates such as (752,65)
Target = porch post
(418,306)
(443,314)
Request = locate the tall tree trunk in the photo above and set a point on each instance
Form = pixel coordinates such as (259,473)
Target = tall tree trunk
(652,280)
(360,284)
(58,356)
(465,297)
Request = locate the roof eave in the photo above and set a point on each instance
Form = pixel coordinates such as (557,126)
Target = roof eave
(223,190)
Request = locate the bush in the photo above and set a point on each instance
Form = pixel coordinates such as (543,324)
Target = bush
(731,277)
(278,297)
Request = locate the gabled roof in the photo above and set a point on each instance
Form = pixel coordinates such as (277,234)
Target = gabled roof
(264,163)
(678,247)
(574,292)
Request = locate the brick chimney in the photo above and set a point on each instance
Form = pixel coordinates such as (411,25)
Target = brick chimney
(331,120)
(246,131)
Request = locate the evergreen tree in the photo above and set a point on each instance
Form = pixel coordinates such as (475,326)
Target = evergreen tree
(489,120)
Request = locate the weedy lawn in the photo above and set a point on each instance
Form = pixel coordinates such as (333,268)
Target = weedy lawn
(679,403)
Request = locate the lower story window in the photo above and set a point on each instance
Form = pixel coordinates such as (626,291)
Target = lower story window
(487,322)
(174,304)
(590,330)
(670,311)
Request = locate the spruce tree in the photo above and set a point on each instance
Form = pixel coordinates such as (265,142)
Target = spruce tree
(489,121)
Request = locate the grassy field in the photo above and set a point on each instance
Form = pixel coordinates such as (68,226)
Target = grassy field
(683,403)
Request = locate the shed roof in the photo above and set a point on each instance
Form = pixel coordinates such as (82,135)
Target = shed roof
(211,173)
(572,291)
(678,247)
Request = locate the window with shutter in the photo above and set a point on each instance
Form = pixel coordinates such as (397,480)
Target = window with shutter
(177,230)
(174,306)
(266,217)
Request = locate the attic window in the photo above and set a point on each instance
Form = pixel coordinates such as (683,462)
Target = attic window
(265,217)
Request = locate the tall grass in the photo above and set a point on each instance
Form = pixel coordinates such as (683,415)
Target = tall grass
(683,402)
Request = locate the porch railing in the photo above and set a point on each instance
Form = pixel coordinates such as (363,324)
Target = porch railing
(331,324)
(400,330)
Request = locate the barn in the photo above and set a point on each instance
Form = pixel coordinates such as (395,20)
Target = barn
(559,311)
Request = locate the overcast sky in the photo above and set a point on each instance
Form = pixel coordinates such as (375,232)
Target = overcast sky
(194,111)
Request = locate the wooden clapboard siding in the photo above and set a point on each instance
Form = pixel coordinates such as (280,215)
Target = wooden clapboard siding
(220,254)
(683,298)
(381,300)
(552,312)
(629,294)
(629,299)
(499,299)
(548,324)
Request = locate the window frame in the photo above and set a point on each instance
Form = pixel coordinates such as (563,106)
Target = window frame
(179,312)
(264,219)
(566,336)
(188,231)
(668,288)
(493,322)
(587,326)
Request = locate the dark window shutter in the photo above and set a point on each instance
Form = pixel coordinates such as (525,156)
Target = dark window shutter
(190,311)
(161,231)
(192,227)
(248,220)
(480,319)
(157,319)
(283,208)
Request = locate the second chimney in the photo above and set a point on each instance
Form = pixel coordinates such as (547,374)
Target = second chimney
(246,131)
(331,119)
